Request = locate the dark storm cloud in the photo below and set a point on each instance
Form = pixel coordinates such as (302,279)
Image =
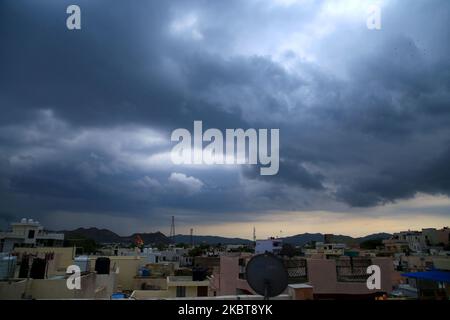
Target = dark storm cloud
(125,54)
(400,181)
(46,66)
(292,173)
(364,122)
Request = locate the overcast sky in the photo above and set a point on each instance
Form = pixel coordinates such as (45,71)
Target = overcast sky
(364,115)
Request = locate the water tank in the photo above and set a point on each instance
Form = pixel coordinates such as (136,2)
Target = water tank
(83,263)
(7,266)
(118,296)
(102,265)
(144,272)
(38,268)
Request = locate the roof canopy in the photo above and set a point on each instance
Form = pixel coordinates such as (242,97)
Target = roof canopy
(439,276)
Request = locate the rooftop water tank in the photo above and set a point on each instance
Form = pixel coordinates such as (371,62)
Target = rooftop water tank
(118,296)
(102,265)
(144,272)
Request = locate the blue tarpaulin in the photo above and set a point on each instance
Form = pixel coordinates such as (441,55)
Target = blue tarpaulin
(438,276)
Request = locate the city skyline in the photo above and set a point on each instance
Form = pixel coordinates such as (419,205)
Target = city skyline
(338,226)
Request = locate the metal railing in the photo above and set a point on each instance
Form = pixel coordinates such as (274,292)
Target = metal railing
(353,269)
(297,269)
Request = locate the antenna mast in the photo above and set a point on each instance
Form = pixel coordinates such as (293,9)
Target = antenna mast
(172,229)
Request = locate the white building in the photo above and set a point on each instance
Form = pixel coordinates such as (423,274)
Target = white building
(173,254)
(151,255)
(28,233)
(271,245)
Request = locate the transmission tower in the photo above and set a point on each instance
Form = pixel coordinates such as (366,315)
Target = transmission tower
(172,229)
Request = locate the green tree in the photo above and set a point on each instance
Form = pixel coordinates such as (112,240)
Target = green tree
(288,250)
(88,246)
(195,252)
(371,244)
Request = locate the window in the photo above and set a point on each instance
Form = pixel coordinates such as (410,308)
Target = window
(181,292)
(30,234)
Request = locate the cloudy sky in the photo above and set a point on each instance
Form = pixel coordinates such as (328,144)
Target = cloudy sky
(364,115)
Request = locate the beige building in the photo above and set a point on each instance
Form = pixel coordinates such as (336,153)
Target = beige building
(62,256)
(93,286)
(28,233)
(434,237)
(418,241)
(125,267)
(396,245)
(327,249)
(176,287)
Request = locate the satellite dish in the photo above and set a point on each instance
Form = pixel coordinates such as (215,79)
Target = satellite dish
(267,275)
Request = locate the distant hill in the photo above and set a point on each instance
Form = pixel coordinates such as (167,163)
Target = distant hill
(210,240)
(148,238)
(98,235)
(302,239)
(298,240)
(382,236)
(107,236)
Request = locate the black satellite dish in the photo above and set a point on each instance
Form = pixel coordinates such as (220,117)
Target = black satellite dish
(267,275)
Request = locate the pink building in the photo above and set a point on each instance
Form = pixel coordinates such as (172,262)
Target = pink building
(229,278)
(342,278)
(329,281)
